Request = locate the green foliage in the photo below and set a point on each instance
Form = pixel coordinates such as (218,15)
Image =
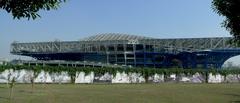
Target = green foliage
(28,8)
(2,68)
(230,10)
(145,72)
(71,73)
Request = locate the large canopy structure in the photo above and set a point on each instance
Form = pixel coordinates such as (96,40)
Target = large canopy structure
(124,49)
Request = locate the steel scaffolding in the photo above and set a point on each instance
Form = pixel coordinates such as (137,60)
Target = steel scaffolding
(134,50)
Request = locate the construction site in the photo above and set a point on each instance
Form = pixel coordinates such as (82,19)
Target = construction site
(130,50)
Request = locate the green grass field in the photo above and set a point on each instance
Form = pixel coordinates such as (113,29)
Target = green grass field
(123,93)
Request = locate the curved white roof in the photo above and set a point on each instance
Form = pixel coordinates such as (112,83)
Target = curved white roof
(114,36)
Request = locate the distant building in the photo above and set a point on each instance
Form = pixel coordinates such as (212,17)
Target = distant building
(3,61)
(123,49)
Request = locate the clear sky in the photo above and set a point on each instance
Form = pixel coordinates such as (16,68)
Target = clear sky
(81,18)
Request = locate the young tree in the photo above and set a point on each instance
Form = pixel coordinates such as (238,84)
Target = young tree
(231,10)
(12,84)
(36,71)
(28,8)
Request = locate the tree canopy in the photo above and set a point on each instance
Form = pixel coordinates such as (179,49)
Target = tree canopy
(28,8)
(230,9)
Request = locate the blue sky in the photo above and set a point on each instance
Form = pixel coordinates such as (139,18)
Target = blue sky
(81,18)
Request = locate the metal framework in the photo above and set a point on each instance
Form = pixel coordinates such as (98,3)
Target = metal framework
(134,50)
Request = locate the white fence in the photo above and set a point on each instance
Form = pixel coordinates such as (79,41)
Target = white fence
(25,76)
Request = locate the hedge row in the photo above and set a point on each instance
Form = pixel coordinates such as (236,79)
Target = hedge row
(112,70)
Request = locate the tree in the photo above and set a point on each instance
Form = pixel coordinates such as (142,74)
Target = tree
(231,10)
(12,84)
(28,8)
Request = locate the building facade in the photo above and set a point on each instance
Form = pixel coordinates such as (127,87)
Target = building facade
(123,49)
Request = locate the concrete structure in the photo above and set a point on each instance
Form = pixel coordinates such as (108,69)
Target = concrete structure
(123,49)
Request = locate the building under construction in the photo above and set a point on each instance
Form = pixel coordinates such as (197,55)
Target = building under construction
(123,49)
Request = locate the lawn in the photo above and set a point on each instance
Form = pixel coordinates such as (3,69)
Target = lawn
(123,93)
